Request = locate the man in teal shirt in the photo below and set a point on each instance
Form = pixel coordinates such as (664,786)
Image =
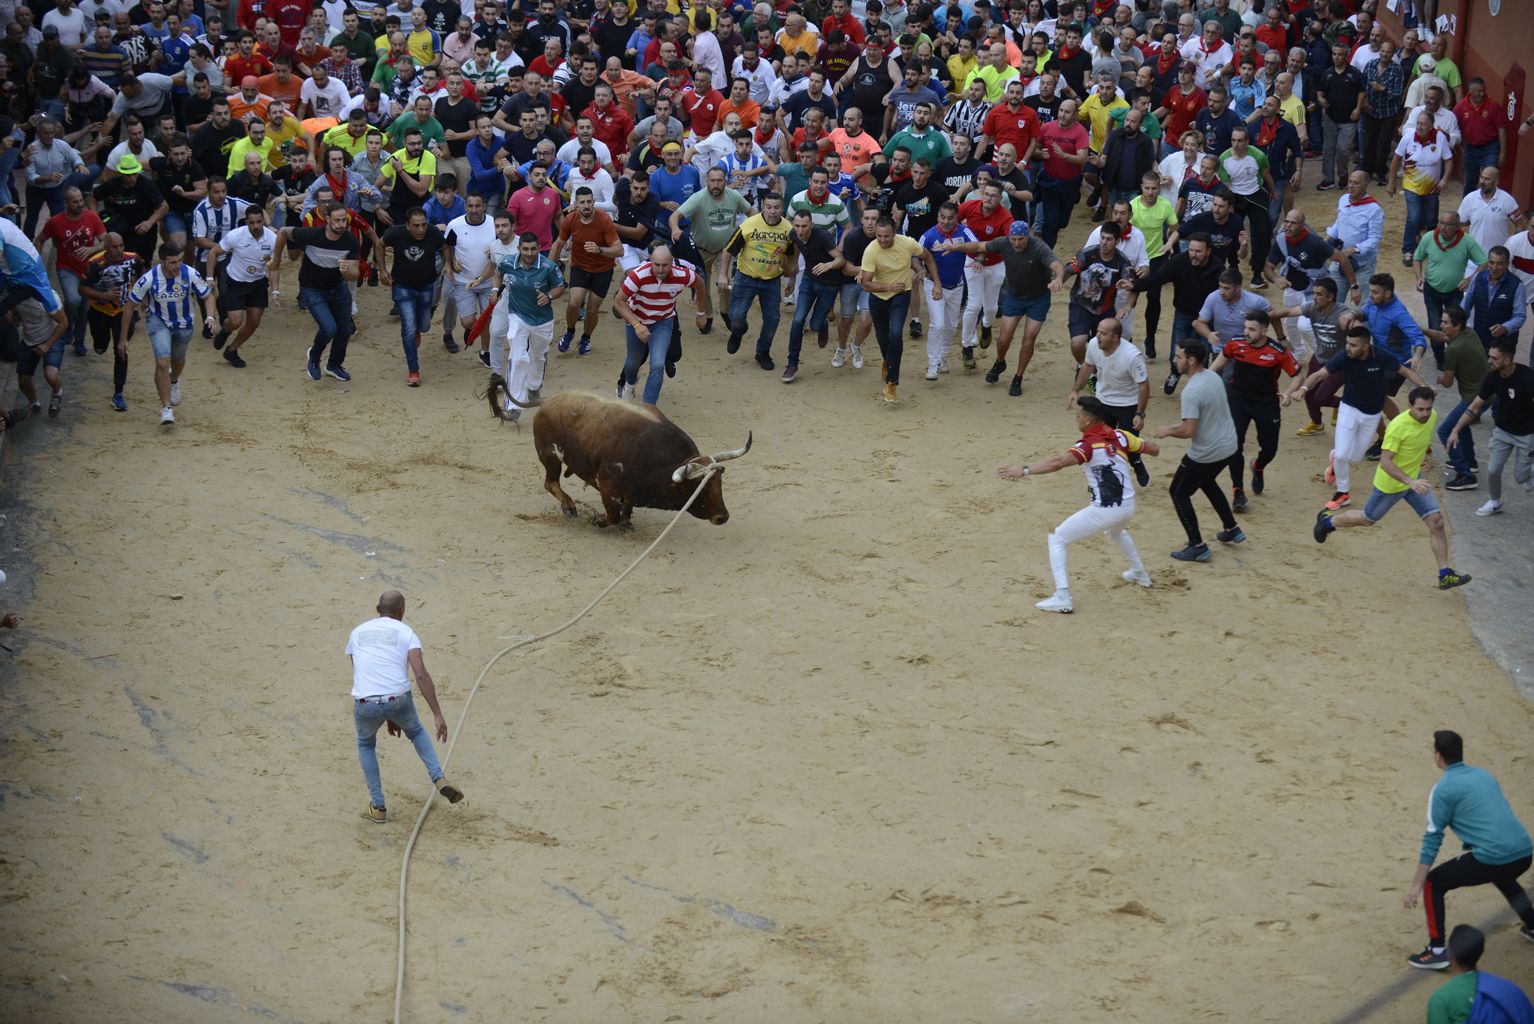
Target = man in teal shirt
(1474,995)
(1497,846)
(529,282)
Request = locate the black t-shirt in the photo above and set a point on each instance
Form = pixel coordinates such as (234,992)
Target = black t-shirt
(415,259)
(1300,262)
(520,148)
(197,110)
(1015,178)
(1515,399)
(613,39)
(1365,380)
(643,159)
(122,208)
(1073,70)
(442,15)
(885,198)
(457,117)
(322,254)
(818,250)
(799,102)
(1224,239)
(211,145)
(578,95)
(1048,110)
(254,190)
(1341,89)
(854,242)
(167,175)
(631,215)
(920,205)
(954,175)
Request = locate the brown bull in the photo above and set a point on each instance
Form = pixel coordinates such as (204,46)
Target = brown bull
(631,453)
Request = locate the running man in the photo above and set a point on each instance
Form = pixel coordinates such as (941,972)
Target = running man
(246,282)
(594,251)
(166,294)
(108,276)
(761,252)
(1253,389)
(647,303)
(465,256)
(887,275)
(946,315)
(1497,846)
(381,649)
(1507,388)
(1206,422)
(329,262)
(1123,385)
(987,220)
(42,339)
(531,283)
(1098,273)
(1103,453)
(1407,441)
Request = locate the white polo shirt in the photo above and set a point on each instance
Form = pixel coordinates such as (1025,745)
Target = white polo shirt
(380,651)
(248,254)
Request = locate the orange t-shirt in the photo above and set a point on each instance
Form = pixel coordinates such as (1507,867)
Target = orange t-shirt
(854,152)
(576,234)
(288,93)
(750,113)
(241,110)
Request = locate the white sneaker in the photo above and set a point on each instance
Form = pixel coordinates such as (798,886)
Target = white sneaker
(628,392)
(1491,508)
(354,307)
(167,417)
(838,357)
(1056,603)
(1141,578)
(932,373)
(857,357)
(175,392)
(942,366)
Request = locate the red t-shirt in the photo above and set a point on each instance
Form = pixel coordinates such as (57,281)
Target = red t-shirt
(1479,125)
(534,211)
(702,111)
(611,126)
(1073,140)
(849,25)
(1273,37)
(972,215)
(71,237)
(1019,127)
(237,67)
(1181,110)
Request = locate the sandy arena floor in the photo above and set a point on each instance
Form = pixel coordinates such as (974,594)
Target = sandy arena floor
(824,763)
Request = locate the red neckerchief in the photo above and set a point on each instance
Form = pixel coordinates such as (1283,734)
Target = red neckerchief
(337,189)
(1365,201)
(1107,436)
(1165,59)
(1201,181)
(1207,51)
(1266,133)
(760,138)
(1101,7)
(1427,141)
(1066,53)
(1438,239)
(1304,234)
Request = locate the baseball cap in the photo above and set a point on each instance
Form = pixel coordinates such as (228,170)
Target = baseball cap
(1188,65)
(1020,229)
(51,30)
(1427,62)
(128,164)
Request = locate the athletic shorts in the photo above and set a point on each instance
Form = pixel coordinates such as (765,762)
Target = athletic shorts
(167,341)
(597,284)
(1035,309)
(1083,323)
(1379,503)
(469,301)
(245,294)
(1122,417)
(28,360)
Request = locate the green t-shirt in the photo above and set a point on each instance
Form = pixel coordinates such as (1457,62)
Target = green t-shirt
(713,221)
(795,178)
(1154,221)
(1450,1003)
(1444,269)
(932,144)
(431,131)
(1409,440)
(1243,174)
(1466,357)
(1149,125)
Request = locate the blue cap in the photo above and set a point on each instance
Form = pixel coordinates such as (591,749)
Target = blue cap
(1019,229)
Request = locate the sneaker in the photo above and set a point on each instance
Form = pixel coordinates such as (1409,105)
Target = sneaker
(80,348)
(994,373)
(618,389)
(765,361)
(167,417)
(822,337)
(942,365)
(451,792)
(1230,536)
(175,393)
(838,357)
(207,332)
(670,370)
(1310,430)
(733,345)
(857,357)
(1056,602)
(219,339)
(54,403)
(1150,348)
(1340,499)
(985,335)
(1527,932)
(484,358)
(628,393)
(233,359)
(565,339)
(1373,454)
(1170,384)
(1139,579)
(339,373)
(1462,482)
(118,403)
(1491,508)
(1099,213)
(1323,527)
(932,373)
(312,366)
(1192,553)
(1142,473)
(1238,499)
(514,414)
(377,815)
(372,277)
(1428,960)
(1091,387)
(1449,579)
(1330,476)
(968,353)
(789,372)
(1259,282)
(708,325)
(1016,387)
(449,344)
(915,329)
(413,379)
(584,348)
(1257,483)
(1406,259)
(889,392)
(1324,186)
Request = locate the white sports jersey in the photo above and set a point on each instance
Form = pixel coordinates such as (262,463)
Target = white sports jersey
(248,255)
(471,245)
(1104,455)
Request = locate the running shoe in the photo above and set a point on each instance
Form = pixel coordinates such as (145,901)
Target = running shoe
(1340,499)
(994,373)
(733,345)
(708,325)
(80,349)
(1491,508)
(789,373)
(233,359)
(377,815)
(1230,536)
(584,348)
(312,366)
(1406,259)
(338,373)
(915,327)
(765,361)
(1373,454)
(1448,579)
(932,373)
(985,335)
(1323,526)
(1142,473)
(450,791)
(942,365)
(1257,483)
(1139,579)
(628,393)
(449,344)
(857,357)
(1330,476)
(118,403)
(1259,282)
(838,357)
(167,417)
(1428,960)
(1192,553)
(1170,384)
(175,393)
(207,332)
(1463,482)
(1056,602)
(484,358)
(1324,186)
(1238,499)
(219,339)
(54,403)
(1150,348)
(565,339)
(889,392)
(1310,430)
(413,378)
(1099,213)
(1016,388)
(968,353)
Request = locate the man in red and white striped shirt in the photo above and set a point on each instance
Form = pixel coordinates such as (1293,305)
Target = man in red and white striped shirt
(647,301)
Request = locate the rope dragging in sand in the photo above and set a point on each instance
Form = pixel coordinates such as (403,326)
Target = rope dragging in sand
(404,871)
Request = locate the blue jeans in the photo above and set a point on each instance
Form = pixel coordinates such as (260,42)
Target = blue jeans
(1478,157)
(1421,215)
(815,303)
(889,317)
(655,350)
(743,290)
(1436,302)
(332,312)
(1462,455)
(369,718)
(1182,330)
(74,307)
(414,306)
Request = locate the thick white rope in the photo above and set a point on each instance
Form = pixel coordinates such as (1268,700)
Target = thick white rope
(404,871)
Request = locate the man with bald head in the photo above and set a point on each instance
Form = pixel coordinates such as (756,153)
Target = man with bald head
(381,649)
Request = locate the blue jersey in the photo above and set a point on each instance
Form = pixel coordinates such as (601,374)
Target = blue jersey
(845,188)
(170,299)
(675,188)
(23,266)
(438,214)
(950,265)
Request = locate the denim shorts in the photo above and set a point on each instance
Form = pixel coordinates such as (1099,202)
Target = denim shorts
(1380,502)
(1035,309)
(178,222)
(28,360)
(854,298)
(167,341)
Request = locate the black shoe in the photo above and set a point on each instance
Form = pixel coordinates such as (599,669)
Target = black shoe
(1373,454)
(1017,387)
(1142,473)
(670,369)
(1150,348)
(968,352)
(733,345)
(484,359)
(1463,482)
(233,359)
(207,332)
(1257,483)
(822,337)
(985,337)
(1238,500)
(219,339)
(1448,580)
(994,373)
(1170,384)
(373,277)
(53,405)
(915,328)
(1234,536)
(1323,526)
(1100,213)
(449,344)
(708,325)
(764,361)
(1428,960)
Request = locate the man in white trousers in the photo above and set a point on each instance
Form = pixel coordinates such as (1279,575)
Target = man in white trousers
(465,259)
(531,282)
(944,314)
(503,249)
(986,219)
(1103,453)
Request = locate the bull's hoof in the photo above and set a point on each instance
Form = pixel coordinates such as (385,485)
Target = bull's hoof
(626,525)
(570,511)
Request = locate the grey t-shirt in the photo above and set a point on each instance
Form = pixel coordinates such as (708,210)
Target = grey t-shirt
(1326,327)
(1028,272)
(1203,398)
(36,324)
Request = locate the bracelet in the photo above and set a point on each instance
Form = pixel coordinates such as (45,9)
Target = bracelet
(1025,470)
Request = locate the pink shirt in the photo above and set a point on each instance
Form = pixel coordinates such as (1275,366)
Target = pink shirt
(534,211)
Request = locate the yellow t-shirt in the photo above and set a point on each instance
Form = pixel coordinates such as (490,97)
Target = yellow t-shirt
(1292,110)
(959,68)
(241,147)
(341,138)
(420,46)
(995,81)
(425,164)
(1097,115)
(291,131)
(1409,440)
(892,265)
(806,41)
(759,248)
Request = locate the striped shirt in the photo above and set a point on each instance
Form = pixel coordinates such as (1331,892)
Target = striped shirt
(170,299)
(652,298)
(215,224)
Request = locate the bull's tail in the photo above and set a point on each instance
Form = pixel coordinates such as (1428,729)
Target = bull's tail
(495,392)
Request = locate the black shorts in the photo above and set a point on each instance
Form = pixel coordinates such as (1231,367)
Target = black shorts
(597,284)
(1083,322)
(244,294)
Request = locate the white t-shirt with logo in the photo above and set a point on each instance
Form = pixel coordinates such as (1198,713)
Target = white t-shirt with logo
(326,102)
(1120,375)
(248,254)
(380,651)
(471,246)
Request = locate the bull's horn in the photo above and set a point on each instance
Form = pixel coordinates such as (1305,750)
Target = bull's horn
(737,453)
(688,471)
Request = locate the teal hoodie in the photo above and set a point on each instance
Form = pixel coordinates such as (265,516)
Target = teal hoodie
(1469,801)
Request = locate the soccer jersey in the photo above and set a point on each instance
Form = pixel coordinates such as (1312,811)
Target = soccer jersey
(760,248)
(169,298)
(1255,374)
(1103,454)
(653,297)
(248,254)
(1423,162)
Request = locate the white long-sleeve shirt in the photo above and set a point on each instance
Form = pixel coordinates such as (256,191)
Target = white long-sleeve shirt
(601,185)
(707,54)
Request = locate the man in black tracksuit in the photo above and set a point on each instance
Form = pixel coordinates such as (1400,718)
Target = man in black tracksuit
(1193,276)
